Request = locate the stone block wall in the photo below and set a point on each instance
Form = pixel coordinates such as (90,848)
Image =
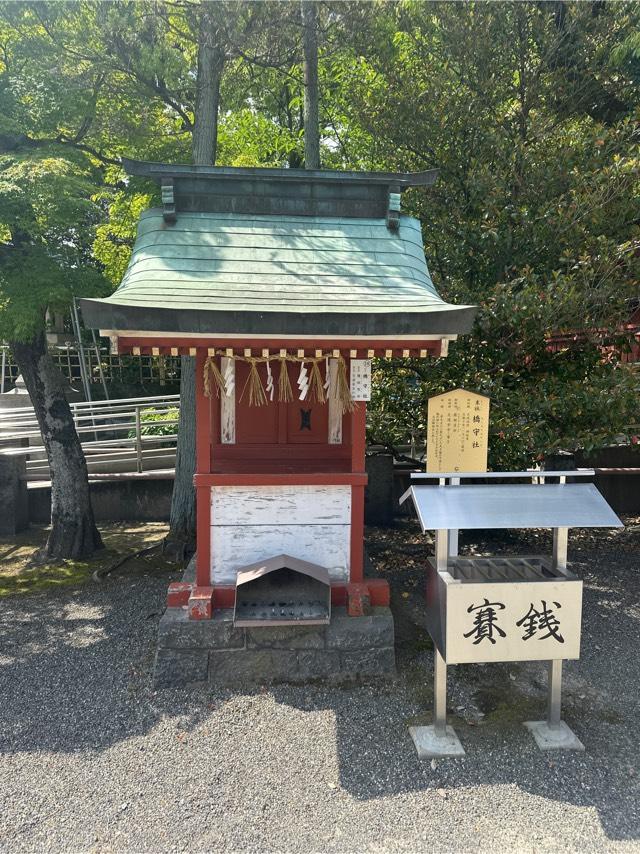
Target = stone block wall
(14,513)
(191,651)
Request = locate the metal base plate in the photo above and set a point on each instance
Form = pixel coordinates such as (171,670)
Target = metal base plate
(432,746)
(559,737)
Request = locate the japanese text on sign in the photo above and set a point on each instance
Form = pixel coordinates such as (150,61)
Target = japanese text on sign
(457,432)
(486,623)
(360,379)
(518,621)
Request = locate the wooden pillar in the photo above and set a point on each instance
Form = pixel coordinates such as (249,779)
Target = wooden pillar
(358,442)
(204,441)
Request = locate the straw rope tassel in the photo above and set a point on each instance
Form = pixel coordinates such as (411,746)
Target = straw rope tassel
(285,393)
(211,369)
(316,389)
(257,396)
(341,391)
(318,392)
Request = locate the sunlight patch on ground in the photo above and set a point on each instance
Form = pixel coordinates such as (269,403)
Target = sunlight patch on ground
(19,574)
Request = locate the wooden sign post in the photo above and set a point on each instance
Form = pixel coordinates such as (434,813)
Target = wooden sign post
(457,432)
(457,437)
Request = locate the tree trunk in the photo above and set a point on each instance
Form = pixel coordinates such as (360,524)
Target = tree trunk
(311,113)
(180,541)
(73,531)
(211,57)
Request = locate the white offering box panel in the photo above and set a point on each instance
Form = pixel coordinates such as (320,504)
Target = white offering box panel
(252,523)
(514,621)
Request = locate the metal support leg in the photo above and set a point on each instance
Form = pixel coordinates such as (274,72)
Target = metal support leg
(442,549)
(560,541)
(554,734)
(439,694)
(453,532)
(555,693)
(438,740)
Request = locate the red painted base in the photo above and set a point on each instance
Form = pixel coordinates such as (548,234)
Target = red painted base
(201,603)
(178,594)
(358,600)
(181,594)
(379,592)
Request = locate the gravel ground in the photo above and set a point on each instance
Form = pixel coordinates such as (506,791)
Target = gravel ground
(91,759)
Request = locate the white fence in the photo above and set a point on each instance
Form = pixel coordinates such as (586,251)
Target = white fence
(116,435)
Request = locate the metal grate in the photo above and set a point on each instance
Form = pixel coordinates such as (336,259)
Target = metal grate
(283,591)
(527,568)
(290,611)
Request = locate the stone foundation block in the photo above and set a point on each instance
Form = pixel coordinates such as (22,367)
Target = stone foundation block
(177,668)
(346,632)
(318,664)
(196,650)
(251,666)
(368,662)
(287,637)
(177,631)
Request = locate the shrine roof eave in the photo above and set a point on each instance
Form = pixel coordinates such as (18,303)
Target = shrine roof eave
(158,171)
(244,275)
(121,319)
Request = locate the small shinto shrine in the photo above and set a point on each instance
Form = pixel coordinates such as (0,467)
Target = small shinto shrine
(283,284)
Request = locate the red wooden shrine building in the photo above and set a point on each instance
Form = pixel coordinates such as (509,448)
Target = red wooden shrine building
(282,284)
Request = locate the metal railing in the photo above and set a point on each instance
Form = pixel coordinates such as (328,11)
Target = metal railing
(118,436)
(98,366)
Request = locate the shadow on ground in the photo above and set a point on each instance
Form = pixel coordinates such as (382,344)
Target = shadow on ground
(75,678)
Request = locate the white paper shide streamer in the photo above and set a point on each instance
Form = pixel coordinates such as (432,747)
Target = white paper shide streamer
(229,377)
(303,381)
(270,388)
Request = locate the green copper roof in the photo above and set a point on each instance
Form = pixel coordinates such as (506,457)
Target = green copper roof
(277,274)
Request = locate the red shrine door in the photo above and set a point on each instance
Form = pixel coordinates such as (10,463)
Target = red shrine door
(298,422)
(280,436)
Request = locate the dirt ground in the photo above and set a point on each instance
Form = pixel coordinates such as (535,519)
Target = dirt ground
(20,573)
(92,758)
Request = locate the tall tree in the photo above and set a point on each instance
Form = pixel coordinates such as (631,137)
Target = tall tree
(224,32)
(47,219)
(311,94)
(212,53)
(212,47)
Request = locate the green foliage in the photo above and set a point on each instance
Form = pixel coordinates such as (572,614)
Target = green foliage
(249,138)
(529,110)
(155,423)
(114,238)
(46,219)
(534,218)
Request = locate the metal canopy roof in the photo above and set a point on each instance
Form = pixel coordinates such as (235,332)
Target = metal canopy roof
(281,274)
(253,571)
(512,506)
